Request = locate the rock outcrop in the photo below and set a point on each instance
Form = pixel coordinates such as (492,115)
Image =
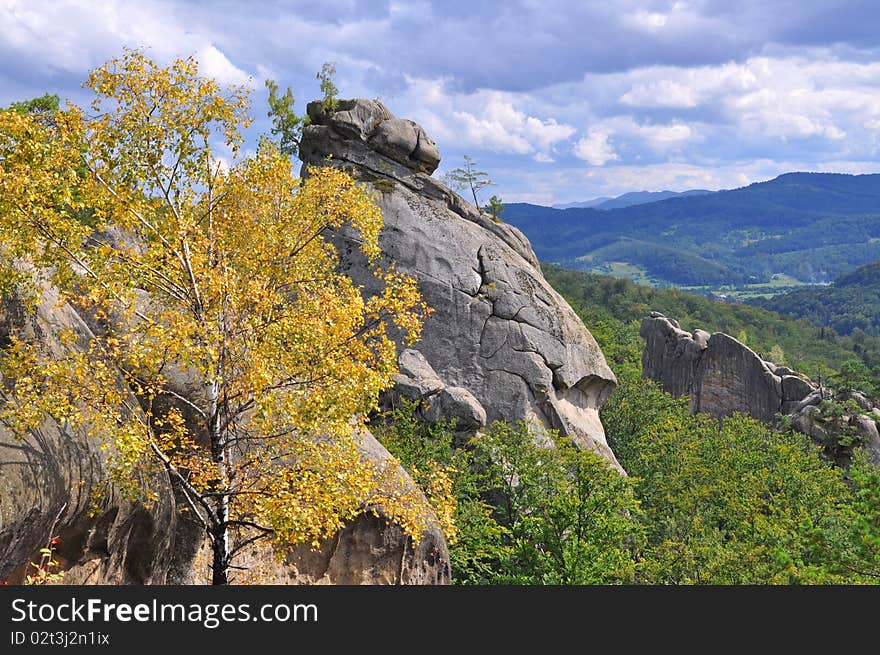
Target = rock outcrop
(51,479)
(501,343)
(719,374)
(722,376)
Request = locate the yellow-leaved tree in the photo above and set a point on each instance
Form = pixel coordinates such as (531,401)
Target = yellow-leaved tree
(211,271)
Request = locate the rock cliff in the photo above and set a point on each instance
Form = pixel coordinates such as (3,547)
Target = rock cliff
(501,343)
(721,376)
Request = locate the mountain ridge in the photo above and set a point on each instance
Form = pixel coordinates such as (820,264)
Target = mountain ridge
(631,198)
(811,227)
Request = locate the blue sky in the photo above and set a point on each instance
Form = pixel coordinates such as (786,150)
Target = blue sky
(560,100)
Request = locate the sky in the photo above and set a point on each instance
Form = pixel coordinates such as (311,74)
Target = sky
(558,100)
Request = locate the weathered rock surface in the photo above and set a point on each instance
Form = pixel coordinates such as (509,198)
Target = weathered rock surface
(499,331)
(721,376)
(49,478)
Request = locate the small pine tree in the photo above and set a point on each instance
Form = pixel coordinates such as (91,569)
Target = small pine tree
(494,208)
(469,178)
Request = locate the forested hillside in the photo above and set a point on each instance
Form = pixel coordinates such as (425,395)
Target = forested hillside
(811,227)
(616,304)
(851,305)
(706,502)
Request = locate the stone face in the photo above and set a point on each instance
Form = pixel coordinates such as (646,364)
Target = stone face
(498,329)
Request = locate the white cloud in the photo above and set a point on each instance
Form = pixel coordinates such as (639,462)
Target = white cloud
(595,148)
(74,36)
(664,93)
(648,21)
(498,125)
(489,120)
(213,63)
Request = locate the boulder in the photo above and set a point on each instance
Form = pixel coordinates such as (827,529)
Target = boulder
(498,330)
(721,376)
(457,405)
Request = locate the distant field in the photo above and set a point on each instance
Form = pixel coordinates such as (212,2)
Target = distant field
(778,283)
(625,271)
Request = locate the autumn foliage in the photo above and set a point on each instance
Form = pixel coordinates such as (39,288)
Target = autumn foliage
(212,270)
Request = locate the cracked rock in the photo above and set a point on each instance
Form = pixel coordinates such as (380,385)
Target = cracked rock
(498,332)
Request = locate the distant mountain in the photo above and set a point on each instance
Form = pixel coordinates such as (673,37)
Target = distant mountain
(630,199)
(812,227)
(585,204)
(644,197)
(852,302)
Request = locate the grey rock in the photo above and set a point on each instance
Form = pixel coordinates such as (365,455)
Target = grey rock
(457,405)
(406,142)
(324,143)
(52,473)
(859,399)
(725,376)
(701,338)
(416,378)
(806,421)
(498,329)
(869,438)
(357,119)
(719,374)
(813,398)
(795,388)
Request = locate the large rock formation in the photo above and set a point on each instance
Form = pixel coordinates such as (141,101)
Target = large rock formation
(501,343)
(721,376)
(718,373)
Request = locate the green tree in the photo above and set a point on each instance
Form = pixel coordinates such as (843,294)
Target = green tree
(530,507)
(776,354)
(219,274)
(495,207)
(726,502)
(286,124)
(469,178)
(854,376)
(329,101)
(42,108)
(569,517)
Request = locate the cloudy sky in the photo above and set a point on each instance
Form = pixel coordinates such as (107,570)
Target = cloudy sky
(559,100)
